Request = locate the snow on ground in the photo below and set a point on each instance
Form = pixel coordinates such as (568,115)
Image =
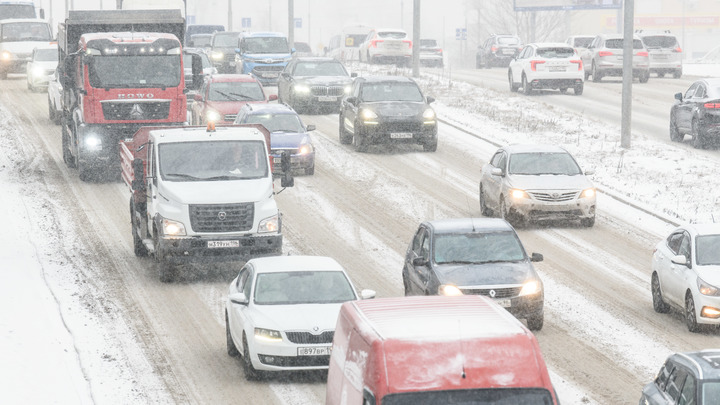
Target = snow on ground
(38,345)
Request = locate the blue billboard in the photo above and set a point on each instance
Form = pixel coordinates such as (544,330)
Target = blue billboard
(540,5)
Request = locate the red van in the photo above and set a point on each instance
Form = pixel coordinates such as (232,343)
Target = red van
(434,350)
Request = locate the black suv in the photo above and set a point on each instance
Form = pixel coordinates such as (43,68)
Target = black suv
(387,110)
(497,50)
(475,256)
(314,83)
(222,50)
(686,378)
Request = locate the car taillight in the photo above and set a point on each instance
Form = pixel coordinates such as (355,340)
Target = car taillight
(711,105)
(374,42)
(605,53)
(409,44)
(579,62)
(493,49)
(643,53)
(677,49)
(534,63)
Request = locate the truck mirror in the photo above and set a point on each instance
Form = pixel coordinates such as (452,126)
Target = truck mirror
(287,178)
(197,72)
(42,13)
(138,174)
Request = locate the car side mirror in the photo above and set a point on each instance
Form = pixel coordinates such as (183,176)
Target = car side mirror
(238,298)
(430,99)
(536,257)
(272,97)
(496,171)
(351,100)
(419,261)
(353,75)
(310,127)
(678,96)
(367,294)
(285,75)
(589,172)
(680,260)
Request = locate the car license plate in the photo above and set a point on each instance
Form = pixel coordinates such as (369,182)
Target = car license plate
(661,56)
(223,243)
(327,98)
(401,135)
(277,160)
(504,303)
(314,351)
(557,68)
(508,51)
(270,74)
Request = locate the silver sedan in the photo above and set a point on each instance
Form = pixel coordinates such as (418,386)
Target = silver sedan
(536,182)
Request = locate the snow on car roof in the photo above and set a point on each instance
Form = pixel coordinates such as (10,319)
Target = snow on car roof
(453,225)
(538,148)
(277,264)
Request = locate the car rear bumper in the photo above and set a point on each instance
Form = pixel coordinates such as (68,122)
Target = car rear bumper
(555,83)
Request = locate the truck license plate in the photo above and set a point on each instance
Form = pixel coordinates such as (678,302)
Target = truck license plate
(314,351)
(223,243)
(401,135)
(327,98)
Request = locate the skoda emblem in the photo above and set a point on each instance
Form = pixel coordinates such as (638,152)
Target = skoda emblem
(136,111)
(493,293)
(222,215)
(315,328)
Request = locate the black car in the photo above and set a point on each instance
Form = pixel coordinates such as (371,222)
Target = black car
(480,256)
(387,110)
(497,50)
(222,50)
(691,378)
(314,84)
(431,54)
(697,113)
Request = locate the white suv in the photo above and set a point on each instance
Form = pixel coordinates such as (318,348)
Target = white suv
(546,66)
(386,45)
(665,53)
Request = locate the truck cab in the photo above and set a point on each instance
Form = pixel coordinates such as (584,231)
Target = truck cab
(18,38)
(263,55)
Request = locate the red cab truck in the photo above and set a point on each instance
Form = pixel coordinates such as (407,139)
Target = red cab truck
(120,70)
(434,350)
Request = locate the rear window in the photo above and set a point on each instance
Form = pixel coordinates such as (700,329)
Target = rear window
(617,43)
(556,52)
(484,396)
(508,40)
(582,42)
(660,41)
(392,35)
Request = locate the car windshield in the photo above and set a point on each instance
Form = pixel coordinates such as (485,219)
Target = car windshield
(536,163)
(235,91)
(391,35)
(659,41)
(46,55)
(135,71)
(582,42)
(229,40)
(391,91)
(212,161)
(617,43)
(25,31)
(266,45)
(478,248)
(508,40)
(428,43)
(556,52)
(710,392)
(303,287)
(320,69)
(707,250)
(483,396)
(200,40)
(276,122)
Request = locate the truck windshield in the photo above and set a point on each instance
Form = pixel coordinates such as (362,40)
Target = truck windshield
(487,396)
(266,45)
(135,71)
(25,31)
(212,161)
(10,10)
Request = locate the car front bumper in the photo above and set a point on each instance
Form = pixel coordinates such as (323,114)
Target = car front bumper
(283,356)
(297,162)
(706,302)
(531,208)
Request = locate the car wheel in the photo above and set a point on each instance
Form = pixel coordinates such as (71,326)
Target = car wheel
(430,147)
(578,89)
(588,222)
(596,75)
(563,90)
(484,209)
(345,137)
(359,141)
(659,305)
(513,87)
(690,319)
(675,134)
(138,245)
(251,374)
(535,323)
(661,74)
(698,135)
(232,350)
(525,85)
(51,111)
(644,77)
(310,170)
(587,75)
(677,73)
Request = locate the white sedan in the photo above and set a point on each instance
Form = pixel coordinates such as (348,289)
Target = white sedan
(55,107)
(686,274)
(546,66)
(281,312)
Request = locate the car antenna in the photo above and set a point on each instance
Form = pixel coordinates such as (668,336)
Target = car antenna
(463,375)
(472,219)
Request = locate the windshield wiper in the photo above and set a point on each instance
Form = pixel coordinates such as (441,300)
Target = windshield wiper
(182,176)
(243,96)
(224,177)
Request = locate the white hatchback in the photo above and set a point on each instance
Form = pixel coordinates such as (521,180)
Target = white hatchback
(386,45)
(281,312)
(686,274)
(546,66)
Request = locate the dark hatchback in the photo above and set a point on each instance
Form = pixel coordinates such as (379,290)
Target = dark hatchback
(314,84)
(697,113)
(691,378)
(387,110)
(478,256)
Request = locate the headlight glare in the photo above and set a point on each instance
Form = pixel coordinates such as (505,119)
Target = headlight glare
(6,55)
(429,114)
(707,289)
(531,287)
(449,290)
(217,55)
(518,194)
(301,88)
(173,228)
(368,114)
(212,116)
(588,193)
(348,89)
(268,335)
(305,149)
(271,224)
(93,142)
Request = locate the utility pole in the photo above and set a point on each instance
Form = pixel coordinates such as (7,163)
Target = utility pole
(230,19)
(628,24)
(291,23)
(416,39)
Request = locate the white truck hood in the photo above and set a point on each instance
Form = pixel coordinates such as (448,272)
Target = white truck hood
(23,48)
(217,192)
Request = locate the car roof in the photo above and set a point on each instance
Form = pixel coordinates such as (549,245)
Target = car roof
(704,229)
(537,148)
(231,77)
(705,362)
(52,45)
(278,264)
(263,108)
(468,225)
(551,45)
(616,36)
(390,30)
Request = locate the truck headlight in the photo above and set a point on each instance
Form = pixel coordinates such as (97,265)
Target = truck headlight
(530,288)
(172,228)
(268,335)
(93,142)
(271,224)
(301,88)
(212,116)
(517,194)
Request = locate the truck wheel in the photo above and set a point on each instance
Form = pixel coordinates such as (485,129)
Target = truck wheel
(83,170)
(139,247)
(67,157)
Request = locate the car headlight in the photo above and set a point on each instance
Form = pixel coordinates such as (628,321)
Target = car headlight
(707,289)
(217,55)
(588,193)
(429,114)
(517,194)
(92,142)
(5,55)
(531,287)
(212,116)
(301,88)
(268,335)
(305,149)
(37,71)
(271,224)
(368,115)
(449,290)
(348,89)
(172,228)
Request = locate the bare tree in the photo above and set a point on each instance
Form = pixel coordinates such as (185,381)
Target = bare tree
(499,17)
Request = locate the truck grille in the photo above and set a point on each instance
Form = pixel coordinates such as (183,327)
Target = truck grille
(222,217)
(136,110)
(327,90)
(554,197)
(309,338)
(499,292)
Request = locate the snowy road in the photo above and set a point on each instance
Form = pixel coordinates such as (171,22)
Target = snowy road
(141,340)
